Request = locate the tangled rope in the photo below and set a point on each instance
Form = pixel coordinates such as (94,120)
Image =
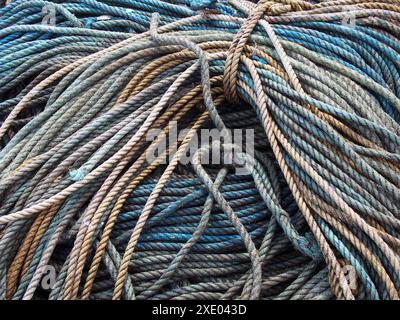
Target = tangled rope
(317,214)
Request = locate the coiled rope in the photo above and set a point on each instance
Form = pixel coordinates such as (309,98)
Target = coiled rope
(78,192)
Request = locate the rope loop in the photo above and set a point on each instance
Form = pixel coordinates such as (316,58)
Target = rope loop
(241,38)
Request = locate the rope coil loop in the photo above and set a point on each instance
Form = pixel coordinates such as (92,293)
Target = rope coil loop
(204,149)
(241,38)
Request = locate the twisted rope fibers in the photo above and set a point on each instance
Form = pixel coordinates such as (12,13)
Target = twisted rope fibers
(77,191)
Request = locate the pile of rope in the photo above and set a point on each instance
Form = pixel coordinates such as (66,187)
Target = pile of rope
(315,216)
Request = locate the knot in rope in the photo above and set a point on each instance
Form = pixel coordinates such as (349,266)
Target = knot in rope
(77,175)
(285,6)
